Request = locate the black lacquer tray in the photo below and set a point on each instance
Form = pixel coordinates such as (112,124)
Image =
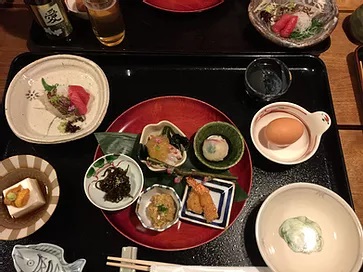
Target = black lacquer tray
(223,29)
(82,230)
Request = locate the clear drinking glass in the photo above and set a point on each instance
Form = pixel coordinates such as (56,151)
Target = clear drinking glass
(107,21)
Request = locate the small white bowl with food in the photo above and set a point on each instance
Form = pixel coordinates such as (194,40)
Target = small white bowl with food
(287,133)
(113,182)
(158,207)
(163,145)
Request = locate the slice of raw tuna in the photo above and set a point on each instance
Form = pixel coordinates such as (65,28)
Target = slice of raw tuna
(79,98)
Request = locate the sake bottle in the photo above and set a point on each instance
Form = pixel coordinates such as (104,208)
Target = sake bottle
(52,16)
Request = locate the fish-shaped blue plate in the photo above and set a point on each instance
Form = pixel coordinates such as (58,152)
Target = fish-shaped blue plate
(43,258)
(222,193)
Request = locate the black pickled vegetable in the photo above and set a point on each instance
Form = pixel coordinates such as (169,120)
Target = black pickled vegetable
(178,141)
(116,184)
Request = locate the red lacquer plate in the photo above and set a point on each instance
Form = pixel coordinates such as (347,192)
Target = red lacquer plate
(188,114)
(184,5)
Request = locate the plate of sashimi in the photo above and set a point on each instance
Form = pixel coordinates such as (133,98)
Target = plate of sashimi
(57,99)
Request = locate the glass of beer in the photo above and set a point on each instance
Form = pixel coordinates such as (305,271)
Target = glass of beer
(106,19)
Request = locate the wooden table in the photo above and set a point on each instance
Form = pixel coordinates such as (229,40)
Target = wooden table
(14,29)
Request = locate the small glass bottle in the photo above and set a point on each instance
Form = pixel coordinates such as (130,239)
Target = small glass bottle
(52,16)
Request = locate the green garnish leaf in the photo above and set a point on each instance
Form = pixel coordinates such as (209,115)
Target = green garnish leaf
(162,208)
(313,29)
(47,87)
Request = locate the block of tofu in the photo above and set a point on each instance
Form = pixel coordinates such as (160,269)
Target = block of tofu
(35,201)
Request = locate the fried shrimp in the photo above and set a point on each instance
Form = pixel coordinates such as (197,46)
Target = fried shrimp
(193,203)
(206,202)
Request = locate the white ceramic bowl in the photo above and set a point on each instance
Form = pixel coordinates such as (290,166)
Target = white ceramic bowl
(342,247)
(156,129)
(144,201)
(314,125)
(96,172)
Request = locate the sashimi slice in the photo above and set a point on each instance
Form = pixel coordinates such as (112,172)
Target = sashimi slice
(79,98)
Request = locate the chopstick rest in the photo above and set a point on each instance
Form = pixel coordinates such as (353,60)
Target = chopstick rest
(129,253)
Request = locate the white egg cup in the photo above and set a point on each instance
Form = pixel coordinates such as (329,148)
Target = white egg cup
(315,124)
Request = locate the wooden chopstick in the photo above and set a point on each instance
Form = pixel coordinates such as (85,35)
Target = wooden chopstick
(133,263)
(132,266)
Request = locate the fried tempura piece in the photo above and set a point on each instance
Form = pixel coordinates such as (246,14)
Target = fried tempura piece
(193,203)
(209,209)
(206,201)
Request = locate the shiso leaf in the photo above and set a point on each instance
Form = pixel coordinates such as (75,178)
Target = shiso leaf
(47,87)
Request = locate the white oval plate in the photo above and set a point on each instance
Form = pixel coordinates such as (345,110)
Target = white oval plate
(96,172)
(26,115)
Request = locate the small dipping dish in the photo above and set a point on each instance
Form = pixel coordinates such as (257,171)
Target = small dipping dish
(314,125)
(267,79)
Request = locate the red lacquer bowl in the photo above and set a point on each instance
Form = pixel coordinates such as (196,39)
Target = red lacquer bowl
(188,114)
(183,5)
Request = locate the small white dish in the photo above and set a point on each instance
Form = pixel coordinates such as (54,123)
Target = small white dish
(26,114)
(341,231)
(222,193)
(314,125)
(156,129)
(43,257)
(145,199)
(15,169)
(96,172)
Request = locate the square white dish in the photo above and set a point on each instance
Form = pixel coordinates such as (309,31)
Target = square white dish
(222,193)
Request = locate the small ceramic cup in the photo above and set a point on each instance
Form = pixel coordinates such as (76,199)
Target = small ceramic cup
(266,79)
(314,125)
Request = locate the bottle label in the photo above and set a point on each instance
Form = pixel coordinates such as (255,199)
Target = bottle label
(51,15)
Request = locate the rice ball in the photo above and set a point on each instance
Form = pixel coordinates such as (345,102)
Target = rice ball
(215,148)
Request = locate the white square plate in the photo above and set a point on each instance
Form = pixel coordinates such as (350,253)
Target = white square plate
(222,193)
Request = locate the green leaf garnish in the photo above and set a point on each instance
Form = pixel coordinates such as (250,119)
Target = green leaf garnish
(47,87)
(313,29)
(162,208)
